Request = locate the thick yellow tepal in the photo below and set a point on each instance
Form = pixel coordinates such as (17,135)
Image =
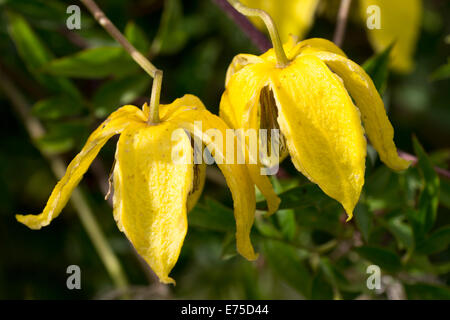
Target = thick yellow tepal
(311,97)
(152,191)
(115,124)
(361,88)
(322,128)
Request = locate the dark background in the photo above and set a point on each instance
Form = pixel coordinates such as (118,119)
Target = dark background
(196,48)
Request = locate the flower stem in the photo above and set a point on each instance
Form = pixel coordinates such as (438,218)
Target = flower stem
(153,116)
(344,10)
(282,59)
(78,200)
(138,57)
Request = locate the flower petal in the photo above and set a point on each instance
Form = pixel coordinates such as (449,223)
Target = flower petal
(241,98)
(114,124)
(368,100)
(293,48)
(236,175)
(151,192)
(322,128)
(399,22)
(239,62)
(316,44)
(239,107)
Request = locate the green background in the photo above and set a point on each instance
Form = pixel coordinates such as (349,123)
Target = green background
(73,80)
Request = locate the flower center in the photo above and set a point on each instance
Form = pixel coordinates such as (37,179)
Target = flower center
(268,121)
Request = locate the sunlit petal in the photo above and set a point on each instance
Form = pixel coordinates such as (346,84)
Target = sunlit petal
(236,175)
(322,128)
(370,104)
(151,192)
(114,124)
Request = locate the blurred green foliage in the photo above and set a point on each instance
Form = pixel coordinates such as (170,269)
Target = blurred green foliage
(73,79)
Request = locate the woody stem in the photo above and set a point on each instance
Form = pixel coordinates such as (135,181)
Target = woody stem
(341,25)
(282,59)
(138,57)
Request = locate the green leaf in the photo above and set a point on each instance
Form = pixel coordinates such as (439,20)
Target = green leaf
(424,291)
(440,157)
(266,228)
(333,277)
(172,35)
(377,67)
(288,225)
(137,37)
(56,107)
(442,268)
(401,231)
(429,197)
(93,63)
(35,55)
(320,288)
(286,261)
(436,242)
(229,247)
(383,190)
(118,92)
(384,258)
(30,48)
(212,215)
(300,197)
(62,136)
(441,73)
(285,218)
(444,195)
(324,218)
(363,217)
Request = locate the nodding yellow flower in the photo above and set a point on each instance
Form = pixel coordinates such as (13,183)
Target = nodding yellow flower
(310,101)
(152,192)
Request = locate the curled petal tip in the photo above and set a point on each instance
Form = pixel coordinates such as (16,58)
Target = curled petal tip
(167,280)
(31,221)
(273,205)
(349,208)
(245,249)
(349,216)
(402,165)
(252,257)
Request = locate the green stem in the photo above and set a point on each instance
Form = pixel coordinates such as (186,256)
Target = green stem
(153,116)
(103,20)
(90,224)
(138,57)
(282,59)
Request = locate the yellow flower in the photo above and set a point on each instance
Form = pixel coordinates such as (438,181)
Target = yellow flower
(399,22)
(291,17)
(311,99)
(152,192)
